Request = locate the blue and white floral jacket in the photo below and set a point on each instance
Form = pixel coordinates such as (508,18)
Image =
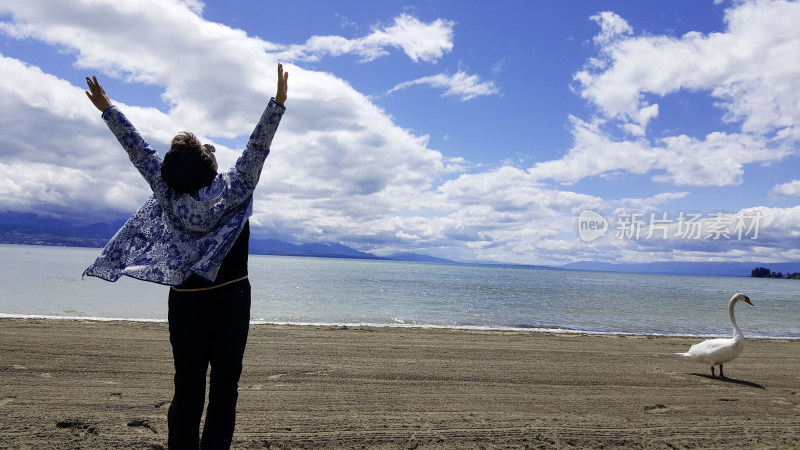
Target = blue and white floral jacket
(174,235)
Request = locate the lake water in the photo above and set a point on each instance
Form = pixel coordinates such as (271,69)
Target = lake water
(40,281)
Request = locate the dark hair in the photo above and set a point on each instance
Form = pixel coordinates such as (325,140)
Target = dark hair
(186,166)
(188,142)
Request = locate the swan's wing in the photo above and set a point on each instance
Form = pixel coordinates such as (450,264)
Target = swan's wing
(715,351)
(708,346)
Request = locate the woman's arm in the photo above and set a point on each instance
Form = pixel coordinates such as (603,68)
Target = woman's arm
(244,175)
(141,155)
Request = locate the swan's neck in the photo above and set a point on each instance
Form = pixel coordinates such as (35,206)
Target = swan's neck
(736,332)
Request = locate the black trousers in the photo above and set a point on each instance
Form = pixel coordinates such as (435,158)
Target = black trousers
(207,327)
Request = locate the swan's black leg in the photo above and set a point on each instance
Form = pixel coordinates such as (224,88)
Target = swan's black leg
(712,372)
(720,372)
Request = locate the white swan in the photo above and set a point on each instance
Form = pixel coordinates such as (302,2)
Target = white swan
(719,351)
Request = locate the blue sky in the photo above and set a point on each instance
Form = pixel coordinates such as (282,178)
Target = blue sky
(450,128)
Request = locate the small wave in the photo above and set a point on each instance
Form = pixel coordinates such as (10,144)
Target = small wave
(78,318)
(525,329)
(403,324)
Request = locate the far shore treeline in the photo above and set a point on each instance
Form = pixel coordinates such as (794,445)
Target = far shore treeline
(763,272)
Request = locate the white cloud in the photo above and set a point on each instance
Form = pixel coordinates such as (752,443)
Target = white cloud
(751,69)
(612,27)
(791,188)
(650,203)
(506,214)
(459,85)
(716,160)
(420,41)
(594,153)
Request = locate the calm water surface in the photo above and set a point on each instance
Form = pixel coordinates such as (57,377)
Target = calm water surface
(46,281)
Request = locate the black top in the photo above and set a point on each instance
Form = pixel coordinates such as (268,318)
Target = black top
(233,266)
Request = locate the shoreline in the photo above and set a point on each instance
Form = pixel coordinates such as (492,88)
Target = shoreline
(78,384)
(556,331)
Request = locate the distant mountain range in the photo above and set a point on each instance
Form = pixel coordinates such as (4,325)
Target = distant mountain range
(30,229)
(16,228)
(330,250)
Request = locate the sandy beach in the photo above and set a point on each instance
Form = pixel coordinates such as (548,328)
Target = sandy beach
(74,384)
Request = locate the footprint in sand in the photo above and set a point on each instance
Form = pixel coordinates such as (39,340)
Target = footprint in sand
(77,426)
(142,423)
(658,407)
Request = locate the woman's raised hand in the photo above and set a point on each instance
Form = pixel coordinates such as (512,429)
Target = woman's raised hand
(97,95)
(283,78)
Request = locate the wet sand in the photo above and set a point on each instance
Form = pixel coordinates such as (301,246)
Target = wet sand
(73,384)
